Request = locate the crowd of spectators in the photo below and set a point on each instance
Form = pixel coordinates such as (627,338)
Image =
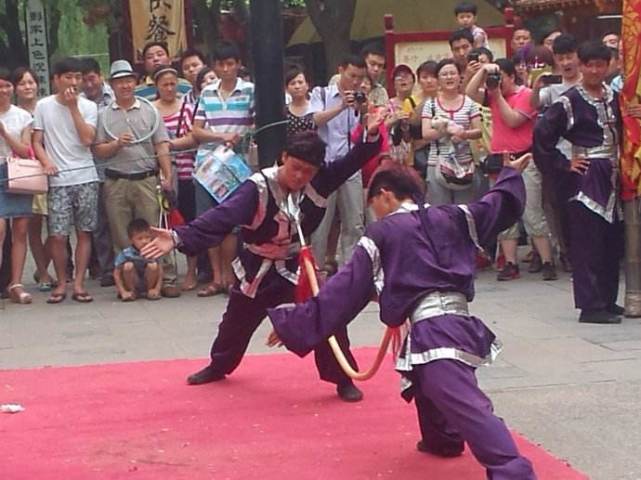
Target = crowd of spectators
(454,120)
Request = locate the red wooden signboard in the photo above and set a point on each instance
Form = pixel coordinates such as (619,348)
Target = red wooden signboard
(413,48)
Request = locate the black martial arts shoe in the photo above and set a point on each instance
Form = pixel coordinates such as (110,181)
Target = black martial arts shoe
(445,452)
(348,392)
(599,316)
(206,375)
(616,309)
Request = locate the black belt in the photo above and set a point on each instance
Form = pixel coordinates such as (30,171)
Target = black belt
(114,175)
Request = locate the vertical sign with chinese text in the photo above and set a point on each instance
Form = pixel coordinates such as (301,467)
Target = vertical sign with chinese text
(158,21)
(36,24)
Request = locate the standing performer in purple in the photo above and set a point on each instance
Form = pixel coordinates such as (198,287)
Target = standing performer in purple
(421,262)
(588,117)
(267,263)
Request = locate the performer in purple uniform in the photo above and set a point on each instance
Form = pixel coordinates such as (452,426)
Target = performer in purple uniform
(421,263)
(267,263)
(588,117)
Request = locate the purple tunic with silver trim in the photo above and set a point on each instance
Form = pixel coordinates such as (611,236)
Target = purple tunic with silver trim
(268,234)
(405,257)
(593,128)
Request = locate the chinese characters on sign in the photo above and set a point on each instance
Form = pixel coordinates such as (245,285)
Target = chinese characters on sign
(36,23)
(415,53)
(158,21)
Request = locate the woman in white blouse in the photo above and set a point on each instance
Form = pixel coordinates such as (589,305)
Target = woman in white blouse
(15,138)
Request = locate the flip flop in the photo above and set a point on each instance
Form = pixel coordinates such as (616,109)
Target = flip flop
(211,290)
(56,298)
(82,297)
(153,297)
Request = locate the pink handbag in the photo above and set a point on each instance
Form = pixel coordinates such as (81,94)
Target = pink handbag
(26,176)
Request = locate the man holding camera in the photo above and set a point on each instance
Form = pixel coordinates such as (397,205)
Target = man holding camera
(547,88)
(545,91)
(337,110)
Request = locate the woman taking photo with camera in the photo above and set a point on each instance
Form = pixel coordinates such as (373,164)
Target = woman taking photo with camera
(513,124)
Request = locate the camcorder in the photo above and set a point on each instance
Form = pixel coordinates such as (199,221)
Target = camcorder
(551,79)
(493,81)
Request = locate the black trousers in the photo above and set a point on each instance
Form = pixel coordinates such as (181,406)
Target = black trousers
(244,315)
(596,252)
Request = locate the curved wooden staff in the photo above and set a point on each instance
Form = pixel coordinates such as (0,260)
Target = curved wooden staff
(390,334)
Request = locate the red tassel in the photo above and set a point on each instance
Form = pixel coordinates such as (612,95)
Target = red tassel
(303,288)
(175,218)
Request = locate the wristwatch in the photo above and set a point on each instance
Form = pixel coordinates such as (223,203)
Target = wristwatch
(176,239)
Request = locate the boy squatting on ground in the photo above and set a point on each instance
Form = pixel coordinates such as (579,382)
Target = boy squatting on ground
(134,273)
(421,262)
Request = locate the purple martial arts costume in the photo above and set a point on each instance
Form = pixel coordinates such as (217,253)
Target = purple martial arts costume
(596,236)
(421,263)
(267,263)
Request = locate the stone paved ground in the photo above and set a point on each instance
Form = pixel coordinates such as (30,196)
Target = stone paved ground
(575,389)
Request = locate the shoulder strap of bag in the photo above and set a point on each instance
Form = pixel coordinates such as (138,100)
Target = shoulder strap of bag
(433,107)
(193,114)
(181,117)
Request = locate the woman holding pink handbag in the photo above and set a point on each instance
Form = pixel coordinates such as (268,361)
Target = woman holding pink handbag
(15,138)
(25,85)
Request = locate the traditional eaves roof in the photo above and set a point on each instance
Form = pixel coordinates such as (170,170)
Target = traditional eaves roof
(547,5)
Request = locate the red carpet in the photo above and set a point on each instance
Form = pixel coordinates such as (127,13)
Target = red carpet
(271,420)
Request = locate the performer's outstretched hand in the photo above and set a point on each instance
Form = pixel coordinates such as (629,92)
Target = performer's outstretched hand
(519,164)
(161,245)
(273,340)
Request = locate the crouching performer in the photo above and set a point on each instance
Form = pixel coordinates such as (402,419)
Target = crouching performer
(421,261)
(267,262)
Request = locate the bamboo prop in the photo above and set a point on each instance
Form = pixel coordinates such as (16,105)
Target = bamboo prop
(308,268)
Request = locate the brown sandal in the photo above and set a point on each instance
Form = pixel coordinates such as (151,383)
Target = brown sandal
(211,290)
(20,297)
(82,297)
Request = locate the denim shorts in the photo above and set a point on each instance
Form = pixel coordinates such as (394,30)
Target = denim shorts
(204,201)
(13,205)
(73,205)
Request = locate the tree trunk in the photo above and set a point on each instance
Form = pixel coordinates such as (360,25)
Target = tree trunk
(14,51)
(207,17)
(54,15)
(333,22)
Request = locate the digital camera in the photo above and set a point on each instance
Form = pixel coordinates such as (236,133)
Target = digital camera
(493,80)
(360,97)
